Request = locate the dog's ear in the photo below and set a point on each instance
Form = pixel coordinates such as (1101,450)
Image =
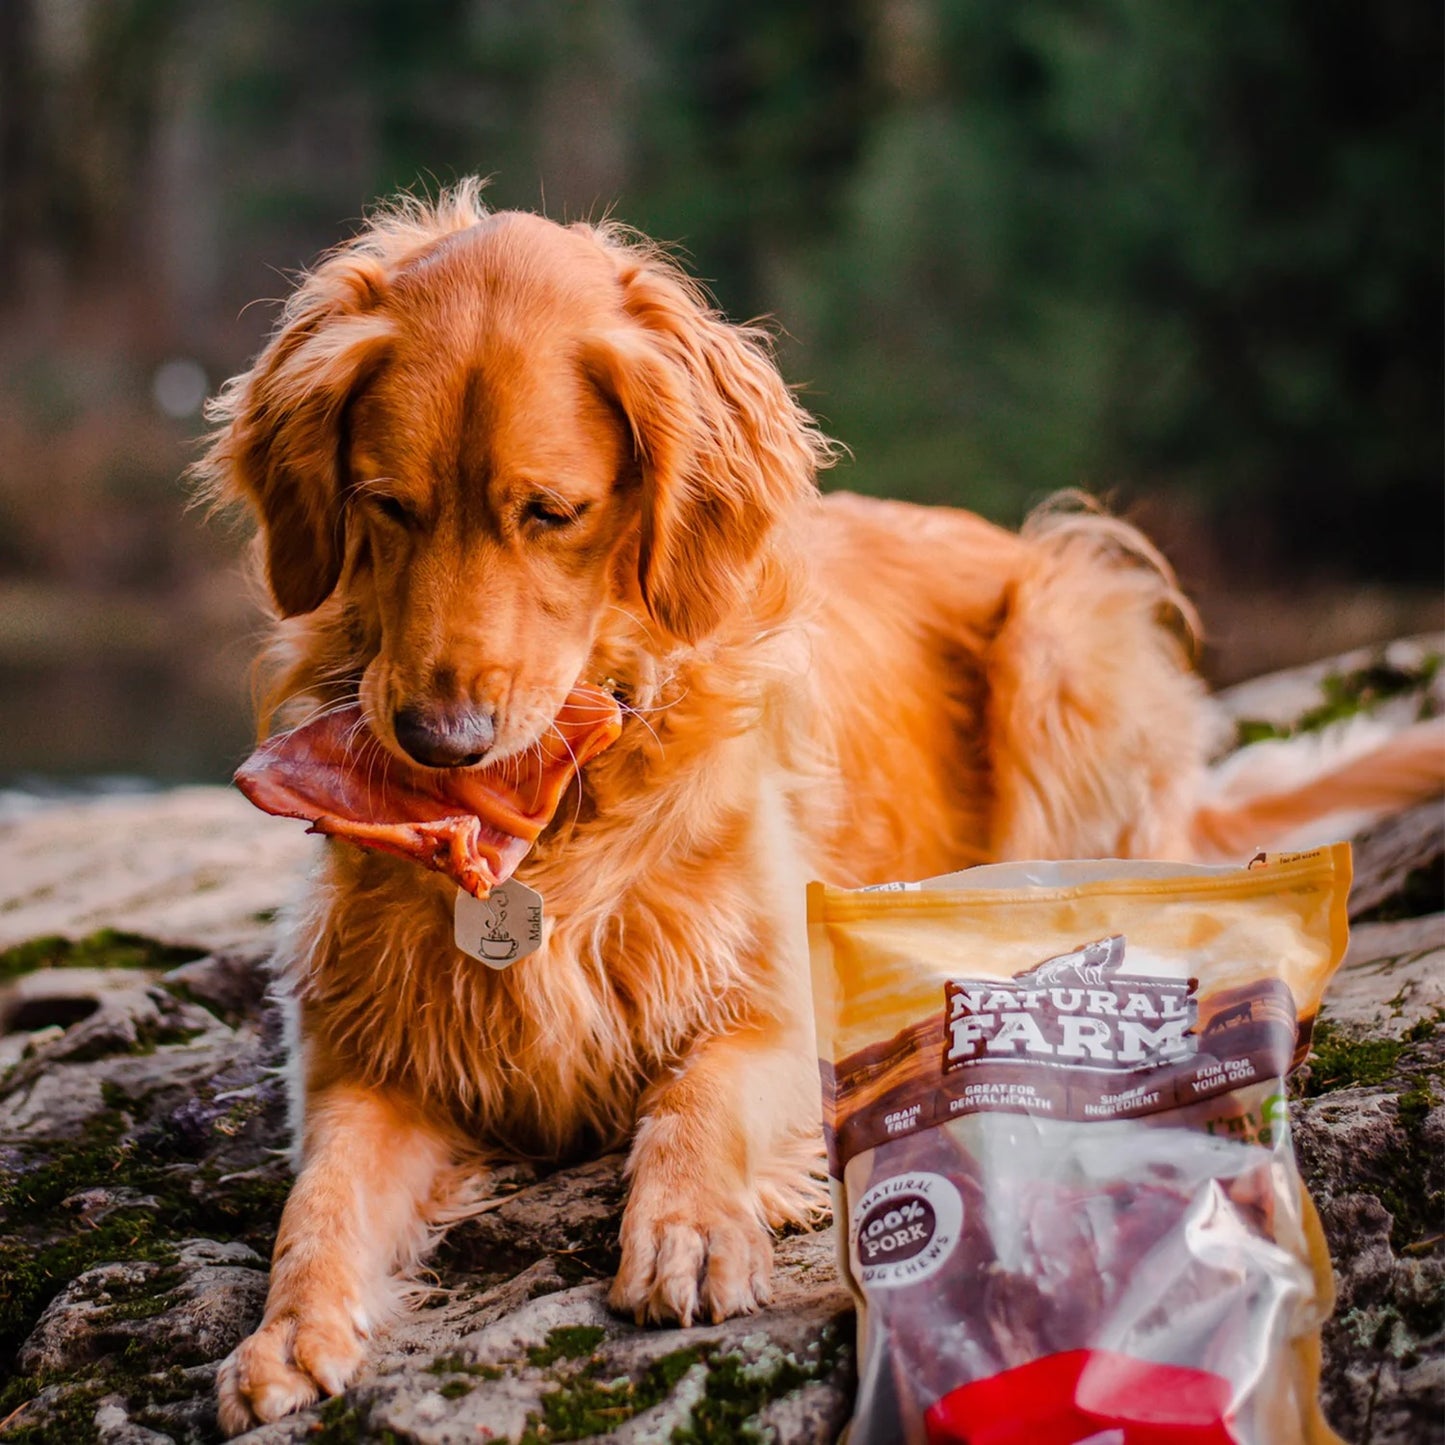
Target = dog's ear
(279,441)
(725,451)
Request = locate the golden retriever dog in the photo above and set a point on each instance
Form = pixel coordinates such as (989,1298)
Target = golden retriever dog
(493,456)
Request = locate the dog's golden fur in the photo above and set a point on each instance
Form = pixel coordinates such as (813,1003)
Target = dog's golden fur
(492,456)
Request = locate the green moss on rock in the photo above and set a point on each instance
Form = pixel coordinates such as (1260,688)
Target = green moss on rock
(1338,1061)
(1414,1194)
(734,1390)
(43,1412)
(567,1342)
(191,1200)
(347,1424)
(584,1404)
(460,1365)
(107,948)
(1345,695)
(150,1034)
(1413,1106)
(31,1276)
(1341,1060)
(55,1408)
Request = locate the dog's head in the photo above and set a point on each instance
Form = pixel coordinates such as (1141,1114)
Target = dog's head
(476,436)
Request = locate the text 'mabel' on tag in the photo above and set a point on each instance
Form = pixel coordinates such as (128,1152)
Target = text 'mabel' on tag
(502,927)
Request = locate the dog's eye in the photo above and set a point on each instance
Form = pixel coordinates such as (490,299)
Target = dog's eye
(551,515)
(394,510)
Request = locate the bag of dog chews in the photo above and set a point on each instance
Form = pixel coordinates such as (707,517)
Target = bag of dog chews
(1055,1112)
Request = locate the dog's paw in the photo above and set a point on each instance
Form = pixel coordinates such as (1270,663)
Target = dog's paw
(286,1365)
(679,1264)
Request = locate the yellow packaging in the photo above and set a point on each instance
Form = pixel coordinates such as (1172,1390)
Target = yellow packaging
(1066,1197)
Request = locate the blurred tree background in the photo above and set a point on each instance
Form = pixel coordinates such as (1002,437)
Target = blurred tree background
(1188,255)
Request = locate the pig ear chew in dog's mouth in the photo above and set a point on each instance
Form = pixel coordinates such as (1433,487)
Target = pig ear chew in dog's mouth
(474,824)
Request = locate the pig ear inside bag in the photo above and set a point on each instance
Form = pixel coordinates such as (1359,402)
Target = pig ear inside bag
(1067,1202)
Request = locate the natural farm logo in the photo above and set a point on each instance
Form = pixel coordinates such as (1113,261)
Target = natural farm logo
(1077,1009)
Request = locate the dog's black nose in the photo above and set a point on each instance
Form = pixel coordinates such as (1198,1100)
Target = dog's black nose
(444,736)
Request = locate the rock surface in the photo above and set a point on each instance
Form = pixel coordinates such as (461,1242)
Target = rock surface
(196,865)
(140,1179)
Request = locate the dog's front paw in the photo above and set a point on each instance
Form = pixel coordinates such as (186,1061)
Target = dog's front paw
(286,1365)
(677,1262)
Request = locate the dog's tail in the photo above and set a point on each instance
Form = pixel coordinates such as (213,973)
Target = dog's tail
(1302,791)
(1096,721)
(1098,726)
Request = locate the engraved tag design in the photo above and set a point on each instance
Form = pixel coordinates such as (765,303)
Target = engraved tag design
(502,927)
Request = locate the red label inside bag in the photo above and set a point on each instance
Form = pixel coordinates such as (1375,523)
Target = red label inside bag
(1079,1395)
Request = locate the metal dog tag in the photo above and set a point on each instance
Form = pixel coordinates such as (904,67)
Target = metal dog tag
(502,927)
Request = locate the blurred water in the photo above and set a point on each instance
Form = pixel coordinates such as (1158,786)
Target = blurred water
(81,717)
(102,723)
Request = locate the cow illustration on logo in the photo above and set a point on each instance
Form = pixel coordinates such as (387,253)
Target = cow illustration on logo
(1232,1017)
